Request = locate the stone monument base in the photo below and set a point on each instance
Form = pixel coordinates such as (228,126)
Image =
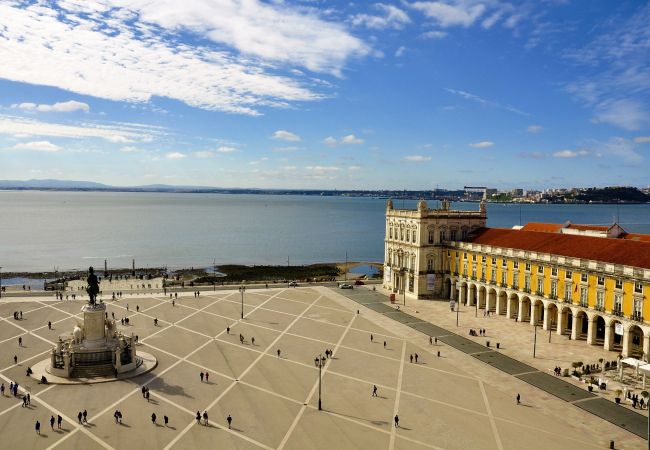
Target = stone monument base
(146,362)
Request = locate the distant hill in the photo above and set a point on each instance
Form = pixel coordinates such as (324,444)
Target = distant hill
(51,184)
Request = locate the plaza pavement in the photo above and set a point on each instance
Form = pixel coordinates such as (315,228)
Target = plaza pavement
(453,402)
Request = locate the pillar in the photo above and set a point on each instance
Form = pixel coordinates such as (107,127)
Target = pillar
(498,303)
(547,321)
(562,319)
(626,342)
(508,307)
(591,331)
(520,313)
(646,347)
(609,337)
(574,328)
(462,293)
(533,313)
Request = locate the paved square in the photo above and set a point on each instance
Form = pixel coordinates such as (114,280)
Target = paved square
(452,401)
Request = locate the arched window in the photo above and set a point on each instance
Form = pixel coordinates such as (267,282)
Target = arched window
(414,234)
(430,236)
(408,235)
(391,232)
(430,264)
(413,263)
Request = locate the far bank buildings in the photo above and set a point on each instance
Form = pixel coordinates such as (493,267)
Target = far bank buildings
(589,282)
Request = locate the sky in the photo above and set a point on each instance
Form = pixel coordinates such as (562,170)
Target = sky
(317,94)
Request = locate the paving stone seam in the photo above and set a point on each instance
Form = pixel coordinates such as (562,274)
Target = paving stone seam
(400,376)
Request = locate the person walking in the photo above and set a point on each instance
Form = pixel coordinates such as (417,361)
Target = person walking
(166,419)
(116,416)
(518,398)
(24,405)
(144,392)
(205,418)
(201,375)
(38,427)
(371,337)
(278,353)
(198,417)
(173,303)
(59,421)
(411,358)
(153,418)
(20,341)
(2,389)
(396,421)
(430,340)
(49,325)
(384,344)
(52,420)
(227,330)
(374,390)
(416,358)
(29,399)
(79,416)
(229,420)
(85,414)
(207,376)
(252,341)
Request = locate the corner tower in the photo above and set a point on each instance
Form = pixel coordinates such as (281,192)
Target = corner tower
(416,246)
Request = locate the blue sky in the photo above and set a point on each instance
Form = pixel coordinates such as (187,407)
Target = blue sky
(405,94)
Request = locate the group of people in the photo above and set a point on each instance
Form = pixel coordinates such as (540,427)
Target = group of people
(82,417)
(205,375)
(145,392)
(13,389)
(329,353)
(18,315)
(635,400)
(557,371)
(117,295)
(196,294)
(414,356)
(481,332)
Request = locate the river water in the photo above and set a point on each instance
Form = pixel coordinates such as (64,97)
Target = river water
(73,230)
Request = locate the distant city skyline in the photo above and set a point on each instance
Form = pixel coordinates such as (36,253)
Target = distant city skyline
(306,95)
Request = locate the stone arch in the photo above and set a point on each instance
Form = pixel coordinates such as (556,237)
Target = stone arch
(471,292)
(462,291)
(525,307)
(582,324)
(565,319)
(552,312)
(600,324)
(513,306)
(537,312)
(492,300)
(446,287)
(482,294)
(502,302)
(613,341)
(635,341)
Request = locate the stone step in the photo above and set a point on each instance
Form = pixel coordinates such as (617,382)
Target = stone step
(101,370)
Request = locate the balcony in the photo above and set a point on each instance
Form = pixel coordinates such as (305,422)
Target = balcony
(584,304)
(600,308)
(618,313)
(636,315)
(526,290)
(552,296)
(540,293)
(503,285)
(483,280)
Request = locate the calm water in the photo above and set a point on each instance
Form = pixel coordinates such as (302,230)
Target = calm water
(40,230)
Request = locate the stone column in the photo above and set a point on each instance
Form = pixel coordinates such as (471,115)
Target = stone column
(562,319)
(591,331)
(609,337)
(452,291)
(574,328)
(646,347)
(508,307)
(626,342)
(547,321)
(520,314)
(462,293)
(497,302)
(533,313)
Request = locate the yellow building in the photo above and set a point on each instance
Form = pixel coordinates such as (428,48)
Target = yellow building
(589,282)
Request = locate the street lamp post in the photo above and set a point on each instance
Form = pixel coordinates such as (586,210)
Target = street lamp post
(242,289)
(0,281)
(535,341)
(214,275)
(457,309)
(319,361)
(550,329)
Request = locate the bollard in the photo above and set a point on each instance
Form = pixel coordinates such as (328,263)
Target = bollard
(498,344)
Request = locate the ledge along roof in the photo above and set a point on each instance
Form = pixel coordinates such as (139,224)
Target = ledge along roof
(628,252)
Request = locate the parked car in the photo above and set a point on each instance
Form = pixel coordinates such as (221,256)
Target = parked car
(359,283)
(347,286)
(293,284)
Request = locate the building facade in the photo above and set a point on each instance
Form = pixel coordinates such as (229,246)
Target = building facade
(415,246)
(588,282)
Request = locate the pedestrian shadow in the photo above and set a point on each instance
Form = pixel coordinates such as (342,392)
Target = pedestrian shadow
(237,430)
(404,428)
(171,428)
(527,406)
(43,435)
(126,425)
(374,422)
(88,424)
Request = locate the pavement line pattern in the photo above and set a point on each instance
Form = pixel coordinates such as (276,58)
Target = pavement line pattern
(313,389)
(624,418)
(117,402)
(241,376)
(393,432)
(493,424)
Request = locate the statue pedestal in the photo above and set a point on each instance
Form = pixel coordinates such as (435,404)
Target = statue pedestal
(94,329)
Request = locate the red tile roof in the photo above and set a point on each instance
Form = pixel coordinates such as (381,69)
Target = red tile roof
(636,237)
(628,252)
(576,226)
(545,227)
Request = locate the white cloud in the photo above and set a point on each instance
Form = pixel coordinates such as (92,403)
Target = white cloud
(642,140)
(459,13)
(392,17)
(622,149)
(625,113)
(286,136)
(321,170)
(69,106)
(37,146)
(534,129)
(351,139)
(433,34)
(204,154)
(416,158)
(131,50)
(175,155)
(570,153)
(114,132)
(475,98)
(226,149)
(354,168)
(259,161)
(130,149)
(285,149)
(482,144)
(400,51)
(330,141)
